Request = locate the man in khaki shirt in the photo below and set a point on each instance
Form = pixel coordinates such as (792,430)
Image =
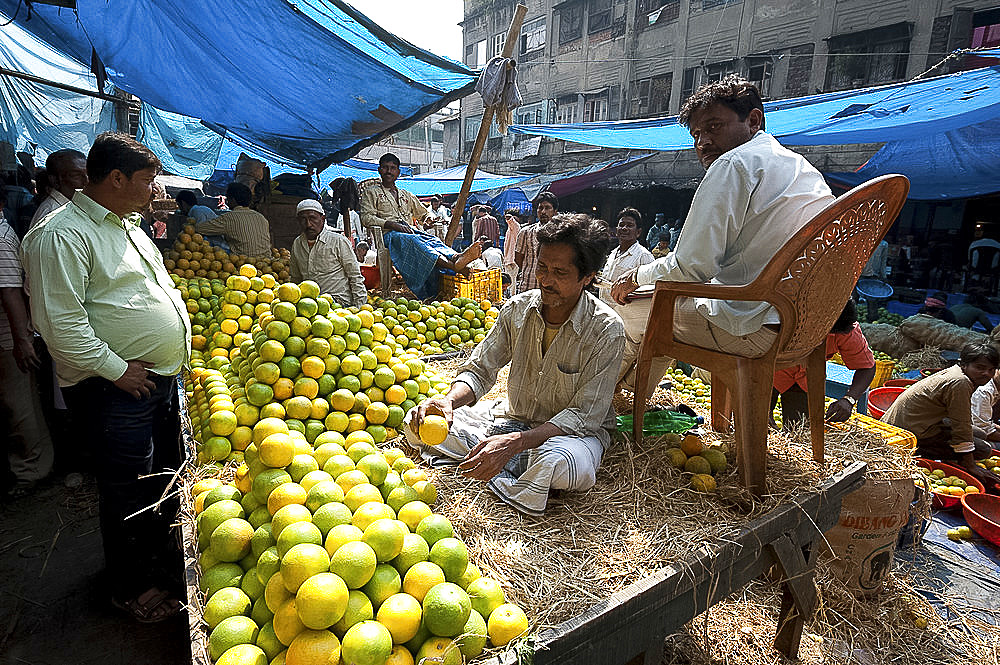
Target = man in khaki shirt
(564,347)
(325,257)
(246,230)
(938,410)
(417,255)
(119,334)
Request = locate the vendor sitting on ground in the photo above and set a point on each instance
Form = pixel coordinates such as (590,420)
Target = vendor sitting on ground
(984,418)
(246,230)
(937,306)
(564,347)
(970,312)
(846,339)
(417,255)
(938,410)
(325,257)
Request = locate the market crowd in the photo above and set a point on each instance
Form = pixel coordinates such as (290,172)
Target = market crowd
(83,283)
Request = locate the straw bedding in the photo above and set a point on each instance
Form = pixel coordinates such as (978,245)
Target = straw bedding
(641,516)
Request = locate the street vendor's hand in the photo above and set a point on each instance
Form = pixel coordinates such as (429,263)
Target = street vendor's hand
(135,381)
(987,478)
(24,354)
(397,226)
(491,455)
(839,411)
(623,286)
(440,406)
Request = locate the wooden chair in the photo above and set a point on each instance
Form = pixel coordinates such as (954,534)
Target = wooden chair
(808,281)
(382,258)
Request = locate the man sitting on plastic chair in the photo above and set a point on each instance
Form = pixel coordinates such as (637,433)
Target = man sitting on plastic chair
(756,194)
(417,255)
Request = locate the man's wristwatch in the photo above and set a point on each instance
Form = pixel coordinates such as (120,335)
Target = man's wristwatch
(853,402)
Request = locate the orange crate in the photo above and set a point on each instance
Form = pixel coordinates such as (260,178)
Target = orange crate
(892,435)
(481,285)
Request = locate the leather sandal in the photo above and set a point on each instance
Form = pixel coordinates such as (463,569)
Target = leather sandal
(153,606)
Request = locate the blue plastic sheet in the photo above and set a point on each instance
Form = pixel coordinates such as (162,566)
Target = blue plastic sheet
(40,119)
(185,146)
(313,81)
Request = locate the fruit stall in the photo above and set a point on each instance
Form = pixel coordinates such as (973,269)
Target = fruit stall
(313,533)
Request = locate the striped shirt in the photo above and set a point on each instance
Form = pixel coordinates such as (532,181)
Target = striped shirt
(10,276)
(569,385)
(527,244)
(246,231)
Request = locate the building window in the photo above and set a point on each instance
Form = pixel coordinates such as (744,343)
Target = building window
(496,44)
(599,15)
(651,12)
(759,73)
(475,54)
(570,22)
(530,114)
(652,96)
(595,107)
(868,58)
(533,35)
(695,77)
(715,4)
(471,130)
(568,110)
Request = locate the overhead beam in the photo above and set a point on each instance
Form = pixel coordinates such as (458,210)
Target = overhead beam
(55,84)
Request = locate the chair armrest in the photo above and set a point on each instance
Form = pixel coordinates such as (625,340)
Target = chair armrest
(746,292)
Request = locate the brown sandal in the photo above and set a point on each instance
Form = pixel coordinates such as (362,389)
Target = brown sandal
(153,606)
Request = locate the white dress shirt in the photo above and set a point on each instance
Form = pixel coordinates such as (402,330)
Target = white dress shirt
(619,263)
(51,203)
(752,199)
(983,401)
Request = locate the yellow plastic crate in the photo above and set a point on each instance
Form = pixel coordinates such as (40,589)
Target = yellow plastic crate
(883,372)
(892,435)
(481,285)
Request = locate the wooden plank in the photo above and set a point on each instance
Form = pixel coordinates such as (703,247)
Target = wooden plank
(484,131)
(619,628)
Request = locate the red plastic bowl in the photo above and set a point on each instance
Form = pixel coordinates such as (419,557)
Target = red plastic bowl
(880,399)
(982,512)
(371,276)
(899,383)
(927,371)
(944,501)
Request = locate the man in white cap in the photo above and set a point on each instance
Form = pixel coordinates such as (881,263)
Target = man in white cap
(325,257)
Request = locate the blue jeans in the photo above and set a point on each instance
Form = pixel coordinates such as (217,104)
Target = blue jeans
(130,439)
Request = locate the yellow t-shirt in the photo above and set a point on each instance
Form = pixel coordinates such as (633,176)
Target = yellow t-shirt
(548,336)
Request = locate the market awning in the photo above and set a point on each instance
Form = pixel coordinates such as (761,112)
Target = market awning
(871,115)
(449,181)
(37,118)
(939,132)
(312,80)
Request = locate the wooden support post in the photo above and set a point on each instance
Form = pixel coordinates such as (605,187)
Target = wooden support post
(484,131)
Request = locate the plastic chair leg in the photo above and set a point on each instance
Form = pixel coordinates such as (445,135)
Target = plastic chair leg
(816,379)
(755,379)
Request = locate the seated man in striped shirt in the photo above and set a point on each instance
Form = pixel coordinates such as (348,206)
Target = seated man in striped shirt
(246,230)
(564,346)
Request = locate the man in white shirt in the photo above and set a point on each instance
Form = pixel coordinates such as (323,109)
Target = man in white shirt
(628,255)
(492,256)
(66,171)
(755,195)
(984,400)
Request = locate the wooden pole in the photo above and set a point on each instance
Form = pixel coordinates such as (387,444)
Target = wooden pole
(484,131)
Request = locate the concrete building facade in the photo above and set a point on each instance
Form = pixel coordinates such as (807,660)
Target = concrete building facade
(588,60)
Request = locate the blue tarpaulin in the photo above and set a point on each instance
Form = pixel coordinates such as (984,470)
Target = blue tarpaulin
(40,119)
(312,80)
(940,132)
(449,181)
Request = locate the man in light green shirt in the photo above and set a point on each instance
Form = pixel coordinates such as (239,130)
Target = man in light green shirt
(119,334)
